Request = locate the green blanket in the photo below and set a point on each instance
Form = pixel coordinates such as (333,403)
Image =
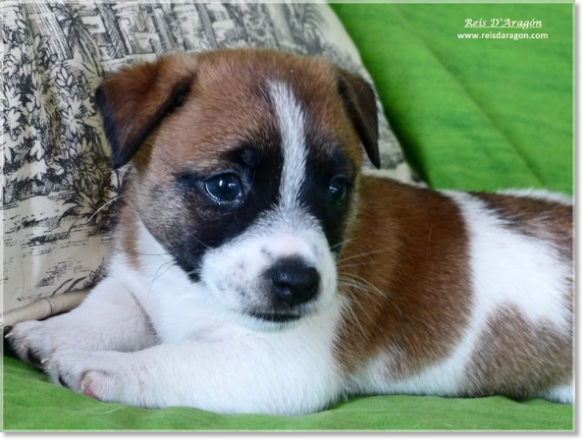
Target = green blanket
(474,113)
(471,114)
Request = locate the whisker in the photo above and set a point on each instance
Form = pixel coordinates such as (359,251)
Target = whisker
(146,254)
(342,243)
(201,243)
(365,254)
(171,262)
(102,207)
(365,287)
(348,310)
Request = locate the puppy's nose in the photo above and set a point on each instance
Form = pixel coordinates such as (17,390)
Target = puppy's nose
(293,281)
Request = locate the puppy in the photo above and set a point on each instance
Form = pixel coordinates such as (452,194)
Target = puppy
(255,269)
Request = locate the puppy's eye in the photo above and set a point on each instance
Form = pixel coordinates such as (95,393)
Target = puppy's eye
(338,190)
(224,188)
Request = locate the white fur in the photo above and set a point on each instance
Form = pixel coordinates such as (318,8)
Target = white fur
(508,269)
(561,394)
(539,194)
(512,269)
(110,318)
(218,365)
(292,125)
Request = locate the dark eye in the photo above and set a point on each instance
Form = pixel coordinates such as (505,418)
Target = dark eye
(338,190)
(224,188)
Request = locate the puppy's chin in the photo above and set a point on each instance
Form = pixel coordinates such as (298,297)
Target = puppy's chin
(266,318)
(264,321)
(267,321)
(274,317)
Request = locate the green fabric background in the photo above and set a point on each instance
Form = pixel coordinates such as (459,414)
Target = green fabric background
(473,114)
(479,115)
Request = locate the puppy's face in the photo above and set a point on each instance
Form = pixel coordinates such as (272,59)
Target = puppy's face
(247,170)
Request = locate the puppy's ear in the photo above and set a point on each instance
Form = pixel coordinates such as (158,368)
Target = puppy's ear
(360,102)
(133,102)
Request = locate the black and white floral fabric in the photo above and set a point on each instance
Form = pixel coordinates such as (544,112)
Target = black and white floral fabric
(59,191)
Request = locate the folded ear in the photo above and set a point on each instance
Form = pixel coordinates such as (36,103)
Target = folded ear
(133,102)
(360,102)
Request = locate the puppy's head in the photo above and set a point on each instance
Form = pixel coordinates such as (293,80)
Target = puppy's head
(246,166)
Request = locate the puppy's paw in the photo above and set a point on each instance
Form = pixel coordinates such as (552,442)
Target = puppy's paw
(33,341)
(36,341)
(103,375)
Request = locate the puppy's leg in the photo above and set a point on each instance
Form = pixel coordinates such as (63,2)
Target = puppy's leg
(108,319)
(225,377)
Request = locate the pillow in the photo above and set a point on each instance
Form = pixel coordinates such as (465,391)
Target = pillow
(60,191)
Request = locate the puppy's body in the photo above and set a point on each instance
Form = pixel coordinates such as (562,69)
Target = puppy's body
(256,270)
(462,266)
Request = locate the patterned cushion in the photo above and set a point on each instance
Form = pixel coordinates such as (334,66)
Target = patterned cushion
(60,192)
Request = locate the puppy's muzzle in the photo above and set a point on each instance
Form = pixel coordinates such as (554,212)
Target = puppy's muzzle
(292,282)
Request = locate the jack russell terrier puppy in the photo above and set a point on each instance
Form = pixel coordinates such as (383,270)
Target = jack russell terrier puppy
(255,269)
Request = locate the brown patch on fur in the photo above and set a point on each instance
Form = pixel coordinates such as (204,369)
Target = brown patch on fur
(406,275)
(134,100)
(518,358)
(546,220)
(126,234)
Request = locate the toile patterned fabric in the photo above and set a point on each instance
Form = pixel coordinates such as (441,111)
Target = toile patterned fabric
(59,192)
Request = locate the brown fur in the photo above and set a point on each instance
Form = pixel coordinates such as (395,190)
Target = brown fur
(518,358)
(405,272)
(127,234)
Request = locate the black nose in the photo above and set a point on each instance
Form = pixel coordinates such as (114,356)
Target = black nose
(293,281)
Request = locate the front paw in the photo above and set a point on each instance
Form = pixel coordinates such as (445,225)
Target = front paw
(33,342)
(104,375)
